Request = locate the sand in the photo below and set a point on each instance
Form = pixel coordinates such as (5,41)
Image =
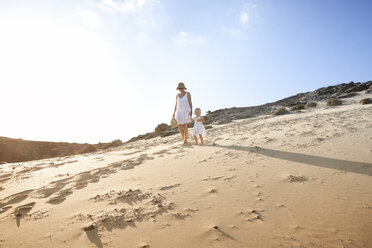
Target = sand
(297,180)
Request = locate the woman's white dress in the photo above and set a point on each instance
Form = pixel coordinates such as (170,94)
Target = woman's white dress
(198,127)
(183,110)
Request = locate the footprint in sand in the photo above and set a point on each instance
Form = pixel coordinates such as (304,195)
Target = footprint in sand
(5,177)
(61,196)
(170,186)
(219,234)
(12,199)
(164,226)
(295,179)
(212,178)
(160,152)
(231,155)
(280,205)
(229,179)
(38,215)
(180,216)
(191,210)
(22,211)
(144,246)
(212,191)
(135,210)
(82,179)
(4,209)
(252,215)
(50,189)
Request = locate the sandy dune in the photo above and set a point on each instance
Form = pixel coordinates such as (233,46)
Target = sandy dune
(297,180)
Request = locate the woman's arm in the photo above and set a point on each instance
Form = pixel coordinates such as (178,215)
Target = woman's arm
(175,108)
(190,103)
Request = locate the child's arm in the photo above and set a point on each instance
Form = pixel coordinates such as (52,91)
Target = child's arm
(201,119)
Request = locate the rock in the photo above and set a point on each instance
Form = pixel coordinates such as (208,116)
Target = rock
(297,107)
(311,105)
(281,111)
(346,95)
(369,91)
(358,87)
(168,133)
(366,101)
(222,121)
(333,102)
(162,127)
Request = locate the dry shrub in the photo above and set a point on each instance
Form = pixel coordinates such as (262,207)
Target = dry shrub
(334,102)
(298,107)
(311,105)
(88,148)
(366,101)
(113,143)
(281,111)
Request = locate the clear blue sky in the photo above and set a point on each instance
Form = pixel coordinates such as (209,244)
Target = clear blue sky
(90,71)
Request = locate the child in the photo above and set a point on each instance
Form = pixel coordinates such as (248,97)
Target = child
(198,126)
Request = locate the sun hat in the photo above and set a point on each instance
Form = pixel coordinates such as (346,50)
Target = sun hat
(181,86)
(173,122)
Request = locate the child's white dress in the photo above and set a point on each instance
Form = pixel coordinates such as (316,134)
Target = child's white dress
(198,127)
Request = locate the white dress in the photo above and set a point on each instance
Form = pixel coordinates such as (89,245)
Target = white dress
(183,110)
(198,127)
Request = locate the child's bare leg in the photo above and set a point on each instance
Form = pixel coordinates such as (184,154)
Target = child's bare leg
(201,139)
(185,133)
(196,139)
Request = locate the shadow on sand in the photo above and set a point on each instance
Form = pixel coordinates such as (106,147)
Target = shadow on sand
(94,238)
(338,164)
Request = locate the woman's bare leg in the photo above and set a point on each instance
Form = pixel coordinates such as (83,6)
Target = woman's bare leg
(185,133)
(201,139)
(180,127)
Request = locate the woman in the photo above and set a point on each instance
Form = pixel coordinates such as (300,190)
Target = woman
(184,111)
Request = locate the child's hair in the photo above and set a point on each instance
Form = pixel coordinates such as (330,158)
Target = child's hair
(197,110)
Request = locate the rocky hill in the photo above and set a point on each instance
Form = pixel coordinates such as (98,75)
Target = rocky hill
(18,150)
(296,102)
